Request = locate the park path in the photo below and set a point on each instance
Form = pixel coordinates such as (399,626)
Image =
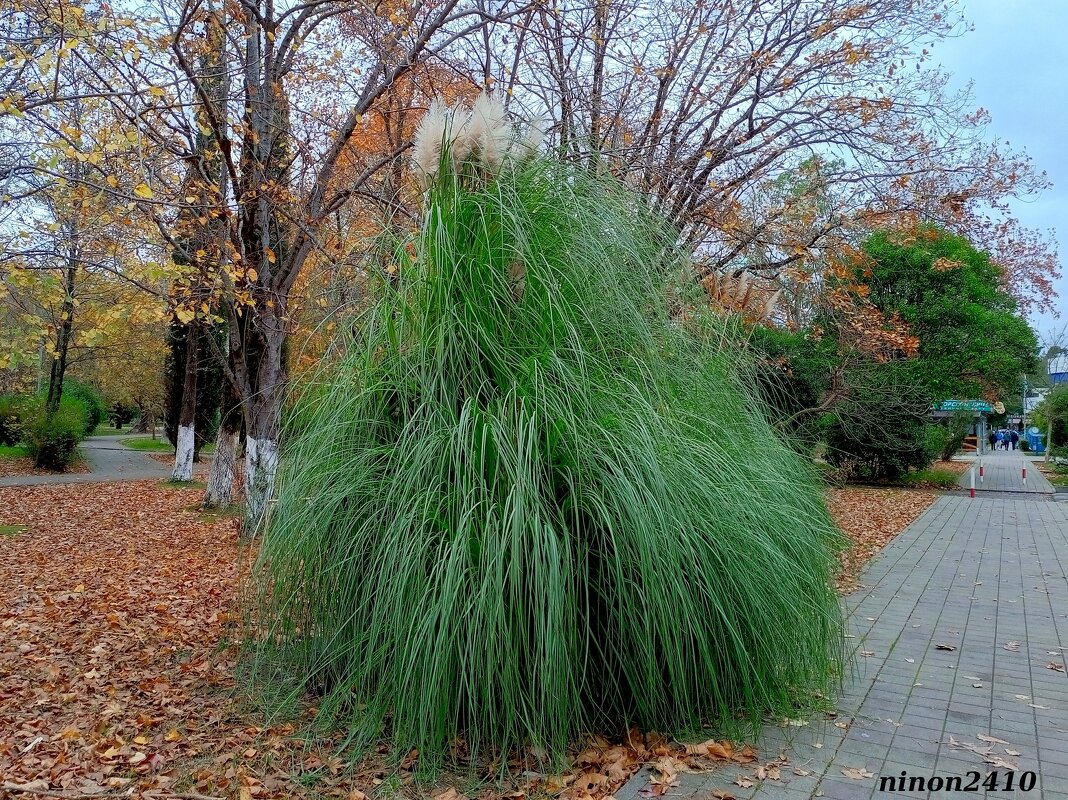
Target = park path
(959,630)
(108,461)
(1003,471)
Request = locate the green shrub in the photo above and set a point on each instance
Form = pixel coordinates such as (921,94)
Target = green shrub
(527,505)
(95,409)
(956,427)
(884,446)
(934,478)
(12,411)
(53,441)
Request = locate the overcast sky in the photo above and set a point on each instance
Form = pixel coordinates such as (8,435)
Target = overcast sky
(1016,57)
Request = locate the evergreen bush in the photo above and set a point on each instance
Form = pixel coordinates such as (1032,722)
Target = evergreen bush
(96,411)
(12,410)
(53,440)
(527,504)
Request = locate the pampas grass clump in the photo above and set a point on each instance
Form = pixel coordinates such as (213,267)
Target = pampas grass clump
(527,504)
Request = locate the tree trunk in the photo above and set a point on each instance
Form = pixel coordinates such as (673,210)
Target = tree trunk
(220,491)
(264,412)
(63,336)
(183,453)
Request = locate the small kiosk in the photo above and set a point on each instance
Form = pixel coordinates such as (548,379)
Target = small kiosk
(979,409)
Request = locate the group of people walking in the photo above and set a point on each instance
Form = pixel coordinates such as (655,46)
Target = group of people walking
(1003,440)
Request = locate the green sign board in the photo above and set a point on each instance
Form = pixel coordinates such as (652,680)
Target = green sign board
(964,405)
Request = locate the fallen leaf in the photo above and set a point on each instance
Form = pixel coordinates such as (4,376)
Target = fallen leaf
(982,737)
(857,773)
(744,782)
(722,794)
(1012,646)
(449,794)
(948,647)
(1053,665)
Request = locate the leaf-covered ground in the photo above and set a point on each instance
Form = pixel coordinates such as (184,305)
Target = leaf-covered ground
(15,466)
(871,518)
(117,669)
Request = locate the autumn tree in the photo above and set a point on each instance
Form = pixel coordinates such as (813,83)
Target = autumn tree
(972,341)
(702,105)
(280,146)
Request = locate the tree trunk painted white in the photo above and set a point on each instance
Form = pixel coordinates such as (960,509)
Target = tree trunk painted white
(183,454)
(220,492)
(261,466)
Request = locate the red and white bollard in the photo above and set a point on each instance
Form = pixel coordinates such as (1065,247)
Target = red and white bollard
(1025,475)
(971,481)
(980,470)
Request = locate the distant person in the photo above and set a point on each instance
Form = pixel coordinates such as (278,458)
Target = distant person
(1000,440)
(992,439)
(1014,438)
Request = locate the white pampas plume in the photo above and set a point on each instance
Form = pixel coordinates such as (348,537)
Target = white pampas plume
(534,135)
(491,130)
(426,147)
(769,307)
(461,144)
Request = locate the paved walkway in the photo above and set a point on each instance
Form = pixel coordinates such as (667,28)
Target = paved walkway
(108,461)
(1003,471)
(960,636)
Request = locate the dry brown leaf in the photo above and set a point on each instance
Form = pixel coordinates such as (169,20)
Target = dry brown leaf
(744,781)
(982,737)
(449,794)
(857,773)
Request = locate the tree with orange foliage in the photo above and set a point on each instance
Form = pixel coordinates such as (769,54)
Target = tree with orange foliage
(704,105)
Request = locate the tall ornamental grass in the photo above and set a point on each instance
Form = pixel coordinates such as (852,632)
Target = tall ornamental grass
(527,504)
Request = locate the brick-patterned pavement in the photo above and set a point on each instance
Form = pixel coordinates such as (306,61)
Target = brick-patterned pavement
(1003,471)
(985,580)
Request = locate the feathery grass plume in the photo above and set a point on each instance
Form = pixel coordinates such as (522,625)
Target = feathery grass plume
(520,516)
(429,138)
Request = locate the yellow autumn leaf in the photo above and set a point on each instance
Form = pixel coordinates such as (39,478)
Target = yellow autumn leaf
(142,191)
(251,275)
(155,91)
(184,315)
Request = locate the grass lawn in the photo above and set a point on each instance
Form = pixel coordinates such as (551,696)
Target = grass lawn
(1057,474)
(105,429)
(160,445)
(933,478)
(13,451)
(148,444)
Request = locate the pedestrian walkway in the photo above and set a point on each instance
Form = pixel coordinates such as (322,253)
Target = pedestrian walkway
(1003,471)
(108,461)
(959,666)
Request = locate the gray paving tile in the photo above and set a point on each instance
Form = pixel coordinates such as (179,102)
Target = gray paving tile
(964,575)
